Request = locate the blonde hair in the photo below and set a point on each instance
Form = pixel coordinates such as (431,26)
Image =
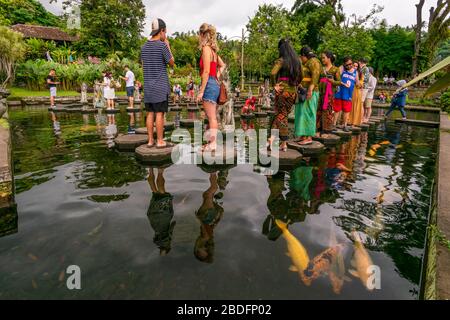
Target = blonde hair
(208,37)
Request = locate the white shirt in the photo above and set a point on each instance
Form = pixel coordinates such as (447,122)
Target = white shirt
(372,86)
(131,78)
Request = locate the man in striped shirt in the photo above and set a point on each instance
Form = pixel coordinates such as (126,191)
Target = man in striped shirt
(155,56)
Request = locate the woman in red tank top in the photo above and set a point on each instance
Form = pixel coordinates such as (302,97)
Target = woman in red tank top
(211,67)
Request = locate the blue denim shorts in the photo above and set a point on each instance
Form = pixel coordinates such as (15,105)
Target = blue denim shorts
(212,91)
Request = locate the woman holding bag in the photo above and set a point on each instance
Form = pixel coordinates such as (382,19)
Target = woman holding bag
(286,76)
(211,68)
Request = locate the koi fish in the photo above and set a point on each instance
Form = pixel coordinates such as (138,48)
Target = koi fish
(361,261)
(296,251)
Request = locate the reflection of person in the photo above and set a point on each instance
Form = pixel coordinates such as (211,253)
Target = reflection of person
(56,125)
(160,212)
(111,131)
(283,205)
(209,214)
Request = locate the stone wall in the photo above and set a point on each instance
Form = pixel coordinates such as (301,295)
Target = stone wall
(8,212)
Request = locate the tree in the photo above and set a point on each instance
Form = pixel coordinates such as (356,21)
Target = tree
(304,7)
(266,28)
(12,49)
(352,41)
(393,51)
(109,25)
(438,29)
(26,12)
(418,40)
(315,17)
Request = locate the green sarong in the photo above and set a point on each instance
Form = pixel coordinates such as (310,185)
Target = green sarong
(305,117)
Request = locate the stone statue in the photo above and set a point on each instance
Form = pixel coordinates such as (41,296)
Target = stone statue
(84,89)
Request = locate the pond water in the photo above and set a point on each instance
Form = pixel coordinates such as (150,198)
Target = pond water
(210,235)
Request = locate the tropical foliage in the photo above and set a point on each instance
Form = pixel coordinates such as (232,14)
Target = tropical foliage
(12,50)
(26,12)
(33,74)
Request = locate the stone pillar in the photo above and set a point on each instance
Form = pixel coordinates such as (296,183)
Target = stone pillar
(8,211)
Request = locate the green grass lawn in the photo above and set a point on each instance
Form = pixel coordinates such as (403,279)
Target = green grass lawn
(22,93)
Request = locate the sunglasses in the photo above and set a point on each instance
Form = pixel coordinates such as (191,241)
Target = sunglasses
(349,65)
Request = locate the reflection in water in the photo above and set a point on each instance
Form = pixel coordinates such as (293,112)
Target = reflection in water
(361,262)
(384,197)
(8,221)
(160,213)
(209,214)
(111,131)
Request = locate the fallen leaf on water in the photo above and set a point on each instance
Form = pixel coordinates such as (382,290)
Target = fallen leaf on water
(33,257)
(34,284)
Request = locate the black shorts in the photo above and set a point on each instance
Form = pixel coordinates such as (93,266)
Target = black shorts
(130,92)
(157,107)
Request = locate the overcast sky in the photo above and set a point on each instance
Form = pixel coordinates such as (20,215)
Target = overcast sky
(230,16)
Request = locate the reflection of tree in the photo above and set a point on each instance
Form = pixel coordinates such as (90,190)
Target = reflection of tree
(8,221)
(37,151)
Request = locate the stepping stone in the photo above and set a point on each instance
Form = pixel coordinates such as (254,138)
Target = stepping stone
(290,158)
(193,109)
(188,123)
(175,109)
(376,120)
(226,154)
(248,116)
(133,110)
(355,130)
(342,133)
(312,149)
(260,114)
(113,111)
(430,124)
(130,142)
(14,103)
(237,116)
(154,155)
(57,109)
(271,112)
(372,123)
(291,119)
(328,139)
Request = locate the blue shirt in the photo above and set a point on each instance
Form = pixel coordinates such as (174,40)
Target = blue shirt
(155,56)
(400,98)
(342,92)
